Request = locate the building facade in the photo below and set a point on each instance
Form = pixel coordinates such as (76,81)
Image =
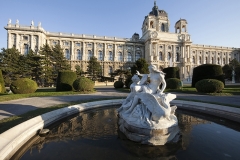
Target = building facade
(157,45)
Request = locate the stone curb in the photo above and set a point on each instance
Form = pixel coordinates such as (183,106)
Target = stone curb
(14,138)
(230,113)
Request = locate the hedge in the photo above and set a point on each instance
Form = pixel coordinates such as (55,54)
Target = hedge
(118,84)
(171,72)
(173,83)
(23,86)
(65,80)
(207,71)
(83,84)
(2,84)
(209,86)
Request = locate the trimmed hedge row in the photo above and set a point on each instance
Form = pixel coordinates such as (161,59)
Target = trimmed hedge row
(23,86)
(209,86)
(2,84)
(207,71)
(65,80)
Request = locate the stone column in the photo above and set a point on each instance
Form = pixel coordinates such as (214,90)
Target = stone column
(94,49)
(105,52)
(9,41)
(72,51)
(83,51)
(115,53)
(134,54)
(31,42)
(174,54)
(18,42)
(150,52)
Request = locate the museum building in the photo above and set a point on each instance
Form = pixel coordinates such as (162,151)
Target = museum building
(157,45)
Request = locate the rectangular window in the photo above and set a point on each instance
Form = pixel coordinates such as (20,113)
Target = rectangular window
(119,47)
(109,46)
(78,44)
(25,38)
(89,45)
(66,43)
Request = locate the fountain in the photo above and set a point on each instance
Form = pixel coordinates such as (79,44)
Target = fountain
(145,115)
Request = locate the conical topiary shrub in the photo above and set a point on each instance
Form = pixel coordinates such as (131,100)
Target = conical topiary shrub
(2,84)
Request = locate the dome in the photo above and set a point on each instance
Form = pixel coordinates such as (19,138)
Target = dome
(161,13)
(157,12)
(181,20)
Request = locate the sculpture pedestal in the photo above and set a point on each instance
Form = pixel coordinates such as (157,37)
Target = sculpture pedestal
(149,136)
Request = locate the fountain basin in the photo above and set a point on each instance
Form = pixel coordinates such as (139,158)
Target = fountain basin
(15,137)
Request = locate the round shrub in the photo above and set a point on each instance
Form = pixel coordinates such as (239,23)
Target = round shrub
(83,84)
(23,86)
(65,80)
(173,83)
(118,84)
(2,84)
(207,71)
(209,86)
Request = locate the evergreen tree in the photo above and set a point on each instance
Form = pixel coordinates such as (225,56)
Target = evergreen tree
(34,65)
(141,66)
(9,64)
(60,62)
(47,57)
(94,68)
(79,71)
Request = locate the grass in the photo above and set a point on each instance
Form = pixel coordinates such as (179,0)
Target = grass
(10,122)
(41,92)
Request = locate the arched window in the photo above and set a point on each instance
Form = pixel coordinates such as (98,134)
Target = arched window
(151,24)
(223,60)
(110,58)
(100,55)
(110,70)
(25,49)
(218,60)
(162,27)
(212,61)
(129,57)
(193,60)
(160,56)
(229,60)
(169,55)
(138,55)
(177,57)
(89,54)
(120,57)
(200,60)
(67,54)
(79,55)
(205,60)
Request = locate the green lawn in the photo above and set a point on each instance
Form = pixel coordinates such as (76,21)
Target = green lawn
(41,92)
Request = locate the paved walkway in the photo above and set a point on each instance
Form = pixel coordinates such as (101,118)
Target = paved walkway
(20,106)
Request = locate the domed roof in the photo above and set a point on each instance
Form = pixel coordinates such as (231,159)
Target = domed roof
(157,12)
(181,20)
(161,13)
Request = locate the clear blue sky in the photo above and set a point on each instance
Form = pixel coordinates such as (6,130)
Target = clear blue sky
(210,22)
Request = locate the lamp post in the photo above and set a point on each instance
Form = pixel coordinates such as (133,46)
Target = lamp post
(233,76)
